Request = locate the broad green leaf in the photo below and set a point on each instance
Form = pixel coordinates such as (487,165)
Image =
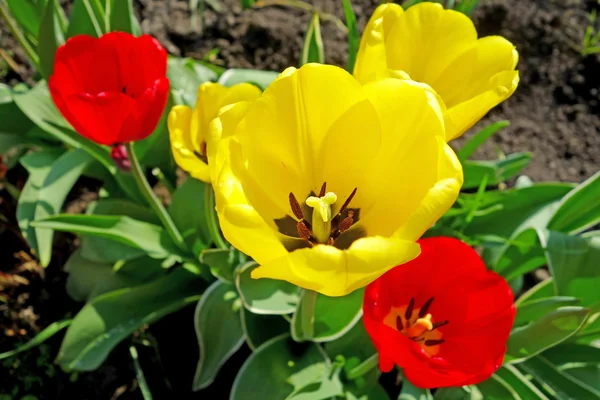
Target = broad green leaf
(550,330)
(502,212)
(562,384)
(353,34)
(108,319)
(121,17)
(40,338)
(458,393)
(519,382)
(312,50)
(569,353)
(246,4)
(12,119)
(265,296)
(50,37)
(285,367)
(330,386)
(222,262)
(259,329)
(479,138)
(574,263)
(542,290)
(26,13)
(218,329)
(355,347)
(150,238)
(366,387)
(88,279)
(496,171)
(411,392)
(105,250)
(187,210)
(534,310)
(588,374)
(185,75)
(523,254)
(85,19)
(334,316)
(580,209)
(39,165)
(495,388)
(63,175)
(262,79)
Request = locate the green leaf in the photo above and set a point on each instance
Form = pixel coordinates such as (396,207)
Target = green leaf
(534,310)
(222,262)
(563,385)
(411,392)
(121,17)
(333,316)
(218,329)
(573,353)
(496,171)
(550,330)
(150,238)
(40,338)
(330,386)
(27,15)
(262,79)
(312,50)
(39,165)
(265,296)
(89,279)
(185,75)
(85,19)
(286,366)
(65,172)
(574,264)
(353,34)
(479,138)
(12,119)
(50,37)
(113,316)
(502,212)
(355,347)
(186,209)
(542,290)
(458,393)
(519,382)
(580,209)
(523,254)
(588,374)
(259,329)
(246,4)
(495,388)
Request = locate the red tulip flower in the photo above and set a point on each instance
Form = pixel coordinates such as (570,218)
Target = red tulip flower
(443,317)
(112,89)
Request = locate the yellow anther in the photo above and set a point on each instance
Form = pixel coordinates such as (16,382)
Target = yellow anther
(323,203)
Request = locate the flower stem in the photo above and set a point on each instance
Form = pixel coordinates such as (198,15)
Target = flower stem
(155,203)
(211,217)
(307,313)
(18,35)
(364,367)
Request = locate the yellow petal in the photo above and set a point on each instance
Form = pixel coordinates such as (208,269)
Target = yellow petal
(439,198)
(179,123)
(406,168)
(335,272)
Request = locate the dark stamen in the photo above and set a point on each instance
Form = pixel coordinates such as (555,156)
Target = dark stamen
(425,308)
(433,342)
(303,231)
(203,148)
(409,310)
(295,207)
(399,324)
(347,222)
(323,189)
(124,90)
(348,200)
(439,324)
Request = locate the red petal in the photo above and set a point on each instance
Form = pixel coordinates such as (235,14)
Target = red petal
(71,64)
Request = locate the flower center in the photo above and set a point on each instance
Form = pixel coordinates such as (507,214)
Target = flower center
(417,325)
(323,229)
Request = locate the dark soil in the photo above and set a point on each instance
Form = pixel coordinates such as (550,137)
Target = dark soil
(555,114)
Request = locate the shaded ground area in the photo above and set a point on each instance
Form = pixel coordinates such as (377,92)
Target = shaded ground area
(555,114)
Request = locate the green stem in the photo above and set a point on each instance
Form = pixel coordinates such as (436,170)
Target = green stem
(364,367)
(211,218)
(14,29)
(154,202)
(307,313)
(139,373)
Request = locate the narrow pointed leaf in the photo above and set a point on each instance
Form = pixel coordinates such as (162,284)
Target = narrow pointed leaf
(50,37)
(312,51)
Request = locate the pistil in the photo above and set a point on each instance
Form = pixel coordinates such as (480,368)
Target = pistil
(321,217)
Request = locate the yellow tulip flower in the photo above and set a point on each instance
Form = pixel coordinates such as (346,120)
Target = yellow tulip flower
(327,183)
(440,48)
(188,129)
